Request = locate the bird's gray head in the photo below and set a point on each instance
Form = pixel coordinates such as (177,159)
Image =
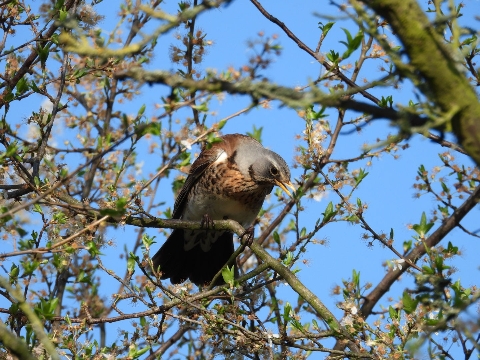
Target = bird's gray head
(263,165)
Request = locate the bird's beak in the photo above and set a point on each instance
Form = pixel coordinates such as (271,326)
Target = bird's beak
(284,185)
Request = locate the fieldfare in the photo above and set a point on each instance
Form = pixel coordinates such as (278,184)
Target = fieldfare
(228,181)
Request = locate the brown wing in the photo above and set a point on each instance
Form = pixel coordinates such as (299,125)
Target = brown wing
(204,160)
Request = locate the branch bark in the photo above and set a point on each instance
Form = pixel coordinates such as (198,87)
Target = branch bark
(429,55)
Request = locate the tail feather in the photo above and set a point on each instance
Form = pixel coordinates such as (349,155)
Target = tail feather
(200,267)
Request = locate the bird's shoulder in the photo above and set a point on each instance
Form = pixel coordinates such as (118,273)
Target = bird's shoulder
(222,152)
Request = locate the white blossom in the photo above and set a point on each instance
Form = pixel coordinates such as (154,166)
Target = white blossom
(397,264)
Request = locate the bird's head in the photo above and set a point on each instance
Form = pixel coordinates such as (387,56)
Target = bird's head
(264,166)
(270,168)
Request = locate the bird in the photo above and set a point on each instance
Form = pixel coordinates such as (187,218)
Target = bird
(229,180)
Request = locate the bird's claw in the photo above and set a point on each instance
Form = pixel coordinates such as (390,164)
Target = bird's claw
(207,222)
(248,236)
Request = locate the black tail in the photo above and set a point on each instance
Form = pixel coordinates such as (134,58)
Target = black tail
(195,264)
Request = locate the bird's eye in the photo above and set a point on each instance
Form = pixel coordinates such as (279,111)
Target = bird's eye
(273,171)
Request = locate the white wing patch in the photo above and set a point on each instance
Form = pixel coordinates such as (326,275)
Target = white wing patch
(222,157)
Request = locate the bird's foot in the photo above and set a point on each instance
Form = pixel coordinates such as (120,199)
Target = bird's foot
(207,222)
(248,236)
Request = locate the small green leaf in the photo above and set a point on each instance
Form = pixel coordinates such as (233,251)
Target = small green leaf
(423,228)
(43,53)
(393,313)
(152,128)
(428,270)
(141,110)
(386,102)
(131,262)
(37,208)
(59,217)
(22,86)
(407,245)
(329,213)
(276,237)
(228,275)
(92,248)
(325,28)
(62,15)
(361,175)
(286,312)
(409,304)
(303,232)
(352,43)
(186,158)
(333,56)
(13,274)
(445,188)
(288,259)
(221,124)
(147,241)
(83,278)
(256,133)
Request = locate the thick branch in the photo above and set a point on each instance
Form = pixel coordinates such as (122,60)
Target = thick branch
(392,276)
(436,64)
(264,90)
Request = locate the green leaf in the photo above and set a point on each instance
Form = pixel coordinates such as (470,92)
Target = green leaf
(445,188)
(407,245)
(286,312)
(469,40)
(45,309)
(37,208)
(83,278)
(361,175)
(62,15)
(92,248)
(256,133)
(325,28)
(22,86)
(452,250)
(186,158)
(393,313)
(148,241)
(43,53)
(121,203)
(152,128)
(311,114)
(386,102)
(131,262)
(13,274)
(141,110)
(329,213)
(59,217)
(112,212)
(333,56)
(212,139)
(352,43)
(228,275)
(428,270)
(303,232)
(276,237)
(423,228)
(288,259)
(356,278)
(409,304)
(134,353)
